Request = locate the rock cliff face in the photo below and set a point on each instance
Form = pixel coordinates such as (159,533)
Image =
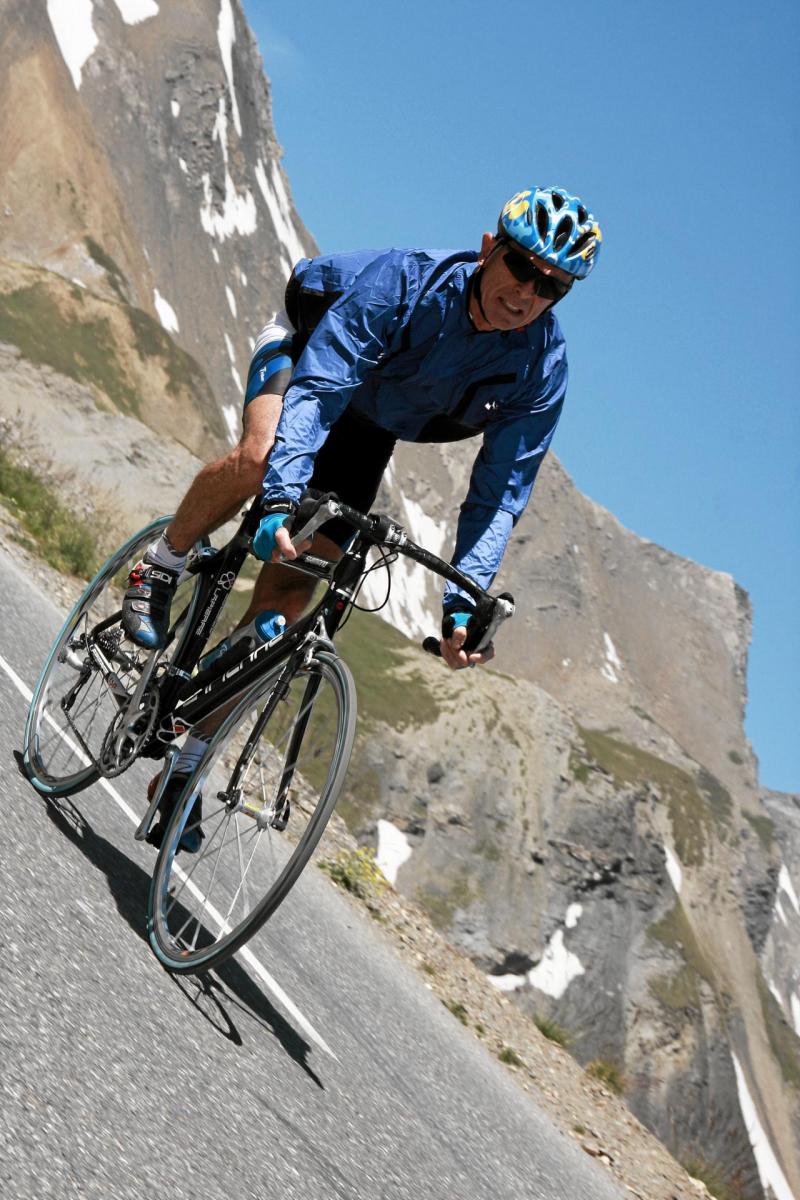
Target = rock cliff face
(139,158)
(585,821)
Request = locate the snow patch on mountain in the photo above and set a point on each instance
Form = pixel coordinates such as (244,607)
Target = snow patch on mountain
(393,850)
(612,666)
(410,608)
(72,25)
(786,885)
(231,415)
(166,313)
(673,869)
(558,967)
(794,1004)
(277,201)
(226,36)
(507,983)
(135,11)
(769,1169)
(238,213)
(775,992)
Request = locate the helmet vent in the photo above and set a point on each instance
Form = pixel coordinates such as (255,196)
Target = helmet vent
(583,215)
(563,233)
(582,241)
(558,201)
(542,221)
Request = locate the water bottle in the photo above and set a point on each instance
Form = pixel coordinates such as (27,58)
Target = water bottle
(263,628)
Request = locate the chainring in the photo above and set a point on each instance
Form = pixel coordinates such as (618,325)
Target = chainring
(124,738)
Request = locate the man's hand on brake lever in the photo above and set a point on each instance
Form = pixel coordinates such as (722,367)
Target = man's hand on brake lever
(273,542)
(452,646)
(284,550)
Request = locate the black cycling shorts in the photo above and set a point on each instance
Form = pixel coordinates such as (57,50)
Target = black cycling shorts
(351,463)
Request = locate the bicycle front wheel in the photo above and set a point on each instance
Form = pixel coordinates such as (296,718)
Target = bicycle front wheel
(267,786)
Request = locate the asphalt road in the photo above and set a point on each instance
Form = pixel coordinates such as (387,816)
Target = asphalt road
(315,1066)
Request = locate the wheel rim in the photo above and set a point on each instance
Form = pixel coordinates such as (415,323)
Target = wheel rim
(205,905)
(74,704)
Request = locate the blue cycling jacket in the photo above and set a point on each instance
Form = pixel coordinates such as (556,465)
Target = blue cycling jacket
(398,345)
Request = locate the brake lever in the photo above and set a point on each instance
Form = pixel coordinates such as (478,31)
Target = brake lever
(502,609)
(325,512)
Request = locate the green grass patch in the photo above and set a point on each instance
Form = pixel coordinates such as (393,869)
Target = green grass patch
(377,655)
(784,1042)
(486,848)
(552,1030)
(763,827)
(84,350)
(152,341)
(104,260)
(357,872)
(631,766)
(458,1010)
(579,766)
(717,1182)
(65,541)
(717,797)
(510,1057)
(441,906)
(675,932)
(679,992)
(608,1073)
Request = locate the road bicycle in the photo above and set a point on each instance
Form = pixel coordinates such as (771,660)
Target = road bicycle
(284,714)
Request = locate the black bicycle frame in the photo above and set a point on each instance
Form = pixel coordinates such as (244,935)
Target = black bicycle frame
(186,701)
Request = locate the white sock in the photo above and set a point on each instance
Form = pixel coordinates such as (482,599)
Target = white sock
(162,553)
(192,751)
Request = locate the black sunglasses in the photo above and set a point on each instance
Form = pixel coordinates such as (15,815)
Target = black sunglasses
(546,287)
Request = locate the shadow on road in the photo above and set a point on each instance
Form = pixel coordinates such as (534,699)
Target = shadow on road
(230,987)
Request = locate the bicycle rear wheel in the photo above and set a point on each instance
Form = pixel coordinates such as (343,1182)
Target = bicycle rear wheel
(269,782)
(89,673)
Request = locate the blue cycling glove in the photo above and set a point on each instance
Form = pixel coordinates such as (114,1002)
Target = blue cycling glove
(278,514)
(457,612)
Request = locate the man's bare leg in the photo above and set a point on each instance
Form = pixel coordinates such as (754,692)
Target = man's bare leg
(285,590)
(222,486)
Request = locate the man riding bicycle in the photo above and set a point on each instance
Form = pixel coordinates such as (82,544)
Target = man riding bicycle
(424,346)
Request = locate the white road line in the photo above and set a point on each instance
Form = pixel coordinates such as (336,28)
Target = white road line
(245,953)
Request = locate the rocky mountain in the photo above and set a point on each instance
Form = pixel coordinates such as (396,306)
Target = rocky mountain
(140,163)
(585,821)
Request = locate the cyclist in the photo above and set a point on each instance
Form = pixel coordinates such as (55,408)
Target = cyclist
(374,346)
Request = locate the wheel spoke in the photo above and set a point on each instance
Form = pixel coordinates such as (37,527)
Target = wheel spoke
(52,735)
(200,914)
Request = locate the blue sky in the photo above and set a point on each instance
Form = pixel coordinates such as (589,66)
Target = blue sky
(411,124)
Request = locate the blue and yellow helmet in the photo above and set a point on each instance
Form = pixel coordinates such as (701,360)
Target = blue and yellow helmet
(555,226)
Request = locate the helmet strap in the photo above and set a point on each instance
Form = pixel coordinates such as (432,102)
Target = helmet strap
(475,284)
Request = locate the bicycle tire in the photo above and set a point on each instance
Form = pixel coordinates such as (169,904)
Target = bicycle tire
(55,761)
(183,905)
